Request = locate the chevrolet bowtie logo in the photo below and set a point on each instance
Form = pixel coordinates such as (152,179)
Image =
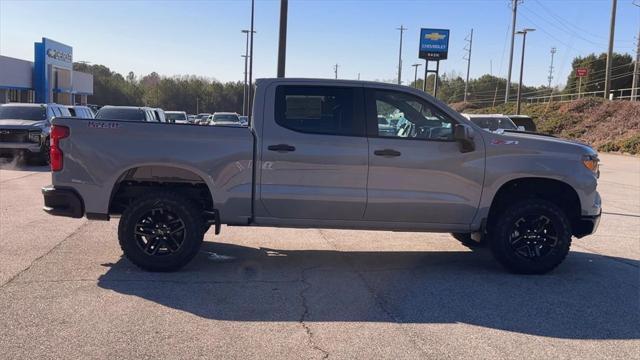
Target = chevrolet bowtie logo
(434,36)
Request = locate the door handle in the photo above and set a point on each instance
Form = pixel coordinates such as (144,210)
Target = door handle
(387,153)
(281,148)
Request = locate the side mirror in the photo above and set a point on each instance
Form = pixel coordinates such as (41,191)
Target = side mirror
(463,134)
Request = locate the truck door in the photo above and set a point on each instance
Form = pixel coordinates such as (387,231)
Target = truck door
(416,170)
(314,153)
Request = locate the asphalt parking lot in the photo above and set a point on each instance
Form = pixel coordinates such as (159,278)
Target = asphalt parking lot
(65,291)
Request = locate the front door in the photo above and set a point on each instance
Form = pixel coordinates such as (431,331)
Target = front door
(417,173)
(314,154)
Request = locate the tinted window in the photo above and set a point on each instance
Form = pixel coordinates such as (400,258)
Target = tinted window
(226,117)
(319,110)
(175,116)
(401,115)
(73,112)
(121,114)
(23,112)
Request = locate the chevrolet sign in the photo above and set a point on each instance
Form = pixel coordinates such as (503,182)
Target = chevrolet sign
(434,44)
(59,55)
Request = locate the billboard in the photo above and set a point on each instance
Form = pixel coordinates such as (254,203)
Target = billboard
(434,44)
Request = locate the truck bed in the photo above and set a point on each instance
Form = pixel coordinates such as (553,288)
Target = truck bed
(101,153)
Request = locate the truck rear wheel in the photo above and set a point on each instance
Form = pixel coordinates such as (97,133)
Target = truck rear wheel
(531,237)
(161,231)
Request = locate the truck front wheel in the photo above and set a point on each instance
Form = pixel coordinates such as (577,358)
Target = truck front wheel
(531,237)
(161,231)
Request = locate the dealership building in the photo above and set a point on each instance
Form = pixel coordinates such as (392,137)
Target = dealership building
(49,78)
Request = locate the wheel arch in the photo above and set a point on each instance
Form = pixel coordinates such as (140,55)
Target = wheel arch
(555,191)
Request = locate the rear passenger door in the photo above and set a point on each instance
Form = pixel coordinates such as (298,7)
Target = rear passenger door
(314,154)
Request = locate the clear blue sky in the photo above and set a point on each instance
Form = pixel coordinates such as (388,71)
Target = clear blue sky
(204,38)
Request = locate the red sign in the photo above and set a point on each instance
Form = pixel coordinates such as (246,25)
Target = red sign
(582,72)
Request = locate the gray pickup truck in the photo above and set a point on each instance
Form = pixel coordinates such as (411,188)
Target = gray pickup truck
(314,156)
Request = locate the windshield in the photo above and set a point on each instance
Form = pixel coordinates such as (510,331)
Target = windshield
(494,123)
(226,117)
(202,116)
(175,116)
(35,113)
(121,114)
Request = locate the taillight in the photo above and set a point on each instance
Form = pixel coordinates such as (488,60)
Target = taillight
(57,132)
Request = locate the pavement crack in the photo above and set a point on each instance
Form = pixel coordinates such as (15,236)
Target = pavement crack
(305,313)
(11,279)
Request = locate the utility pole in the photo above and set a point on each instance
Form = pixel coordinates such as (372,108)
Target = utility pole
(468,39)
(636,67)
(514,9)
(550,77)
(335,70)
(522,32)
(282,42)
(612,28)
(415,74)
(250,84)
(402,30)
(358,76)
(245,91)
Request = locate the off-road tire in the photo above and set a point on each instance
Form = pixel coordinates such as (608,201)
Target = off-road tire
(502,237)
(183,208)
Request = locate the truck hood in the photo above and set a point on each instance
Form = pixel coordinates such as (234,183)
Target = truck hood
(19,123)
(546,142)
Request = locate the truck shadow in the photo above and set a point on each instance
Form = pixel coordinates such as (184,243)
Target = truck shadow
(588,297)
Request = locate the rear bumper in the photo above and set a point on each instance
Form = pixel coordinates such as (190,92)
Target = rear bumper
(62,202)
(587,225)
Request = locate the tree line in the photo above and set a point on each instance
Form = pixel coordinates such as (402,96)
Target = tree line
(195,94)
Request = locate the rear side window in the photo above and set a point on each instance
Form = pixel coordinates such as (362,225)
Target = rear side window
(320,110)
(120,114)
(73,112)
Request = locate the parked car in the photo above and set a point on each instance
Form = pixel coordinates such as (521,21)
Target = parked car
(80,111)
(225,118)
(191,118)
(178,117)
(492,122)
(524,121)
(202,118)
(315,157)
(25,128)
(128,113)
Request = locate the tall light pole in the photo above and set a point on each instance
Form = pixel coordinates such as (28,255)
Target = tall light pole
(335,70)
(468,58)
(250,93)
(514,9)
(282,42)
(612,28)
(522,32)
(415,74)
(402,30)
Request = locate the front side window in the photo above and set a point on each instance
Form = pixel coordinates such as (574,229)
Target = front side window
(319,110)
(401,115)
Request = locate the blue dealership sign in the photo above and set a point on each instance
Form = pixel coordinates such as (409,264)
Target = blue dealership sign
(434,44)
(51,57)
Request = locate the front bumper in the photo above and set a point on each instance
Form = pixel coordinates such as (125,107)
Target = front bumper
(587,225)
(16,147)
(62,202)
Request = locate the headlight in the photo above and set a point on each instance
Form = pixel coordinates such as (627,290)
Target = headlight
(34,136)
(591,162)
